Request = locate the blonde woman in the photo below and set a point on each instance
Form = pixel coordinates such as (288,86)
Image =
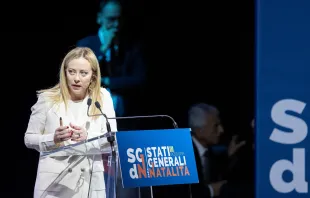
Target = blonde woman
(59,117)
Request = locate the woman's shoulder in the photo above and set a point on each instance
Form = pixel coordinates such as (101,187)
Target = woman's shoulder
(46,98)
(46,95)
(42,104)
(42,97)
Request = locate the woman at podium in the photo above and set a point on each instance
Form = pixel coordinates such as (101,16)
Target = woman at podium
(59,118)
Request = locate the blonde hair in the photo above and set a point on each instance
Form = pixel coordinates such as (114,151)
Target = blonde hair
(60,92)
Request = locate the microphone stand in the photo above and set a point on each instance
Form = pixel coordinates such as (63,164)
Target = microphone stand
(113,161)
(111,139)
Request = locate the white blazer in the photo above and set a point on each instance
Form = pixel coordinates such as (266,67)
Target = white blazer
(43,122)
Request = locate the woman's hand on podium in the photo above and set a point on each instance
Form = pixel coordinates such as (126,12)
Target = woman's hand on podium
(78,133)
(62,133)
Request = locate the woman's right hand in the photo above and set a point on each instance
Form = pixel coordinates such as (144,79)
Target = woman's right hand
(62,134)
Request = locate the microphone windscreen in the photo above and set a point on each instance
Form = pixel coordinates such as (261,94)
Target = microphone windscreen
(97,104)
(89,101)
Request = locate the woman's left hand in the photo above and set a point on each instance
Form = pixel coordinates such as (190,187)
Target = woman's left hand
(78,133)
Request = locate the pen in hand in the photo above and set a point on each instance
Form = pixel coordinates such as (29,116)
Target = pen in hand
(60,121)
(61,124)
(62,133)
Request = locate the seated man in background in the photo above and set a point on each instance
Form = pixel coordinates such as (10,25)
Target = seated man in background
(206,129)
(121,63)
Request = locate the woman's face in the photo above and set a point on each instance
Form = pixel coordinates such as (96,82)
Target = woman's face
(79,75)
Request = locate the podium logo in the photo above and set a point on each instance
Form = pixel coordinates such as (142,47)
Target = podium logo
(154,162)
(299,131)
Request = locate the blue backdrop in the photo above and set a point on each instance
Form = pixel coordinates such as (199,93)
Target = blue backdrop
(282,114)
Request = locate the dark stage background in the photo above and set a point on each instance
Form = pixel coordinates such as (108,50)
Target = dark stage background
(195,52)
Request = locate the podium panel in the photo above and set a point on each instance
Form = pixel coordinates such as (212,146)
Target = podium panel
(157,157)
